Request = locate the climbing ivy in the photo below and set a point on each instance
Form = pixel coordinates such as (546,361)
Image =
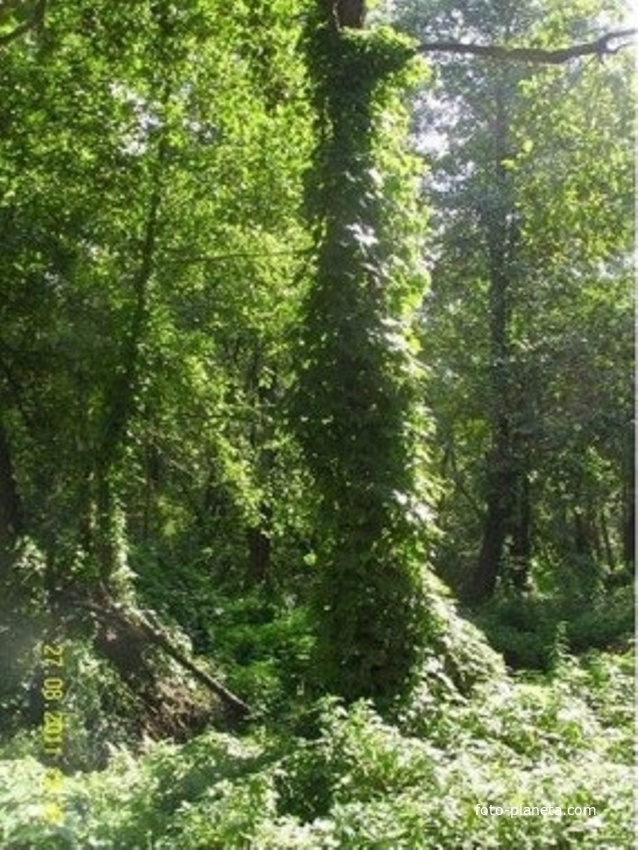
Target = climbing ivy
(359,402)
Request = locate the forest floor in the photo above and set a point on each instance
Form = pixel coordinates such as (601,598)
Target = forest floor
(526,761)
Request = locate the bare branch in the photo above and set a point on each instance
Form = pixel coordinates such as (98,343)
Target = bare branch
(36,21)
(603,46)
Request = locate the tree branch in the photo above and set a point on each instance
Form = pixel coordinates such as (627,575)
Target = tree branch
(600,47)
(109,611)
(36,21)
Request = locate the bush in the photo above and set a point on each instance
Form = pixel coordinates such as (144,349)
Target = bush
(360,781)
(528,629)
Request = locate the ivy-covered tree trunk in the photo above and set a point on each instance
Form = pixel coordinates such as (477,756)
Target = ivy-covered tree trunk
(359,415)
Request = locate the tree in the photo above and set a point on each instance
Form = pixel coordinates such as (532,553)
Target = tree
(494,297)
(359,404)
(578,250)
(358,409)
(111,348)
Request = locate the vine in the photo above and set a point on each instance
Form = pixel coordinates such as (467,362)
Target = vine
(360,417)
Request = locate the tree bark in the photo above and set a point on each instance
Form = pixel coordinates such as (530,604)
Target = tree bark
(11,516)
(259,548)
(346,13)
(500,478)
(628,527)
(488,567)
(603,46)
(521,549)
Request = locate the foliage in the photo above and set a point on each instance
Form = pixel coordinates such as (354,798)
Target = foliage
(528,327)
(267,652)
(359,415)
(527,629)
(164,305)
(362,782)
(225,404)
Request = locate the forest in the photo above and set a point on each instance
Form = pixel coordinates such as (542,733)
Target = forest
(317,524)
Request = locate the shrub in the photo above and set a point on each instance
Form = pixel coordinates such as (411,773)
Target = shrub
(361,781)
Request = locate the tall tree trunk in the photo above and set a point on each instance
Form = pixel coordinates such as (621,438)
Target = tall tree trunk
(608,549)
(11,518)
(507,509)
(583,540)
(499,468)
(122,393)
(628,530)
(358,395)
(259,548)
(521,548)
(495,524)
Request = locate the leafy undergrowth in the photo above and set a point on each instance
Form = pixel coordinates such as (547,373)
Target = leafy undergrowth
(356,781)
(527,628)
